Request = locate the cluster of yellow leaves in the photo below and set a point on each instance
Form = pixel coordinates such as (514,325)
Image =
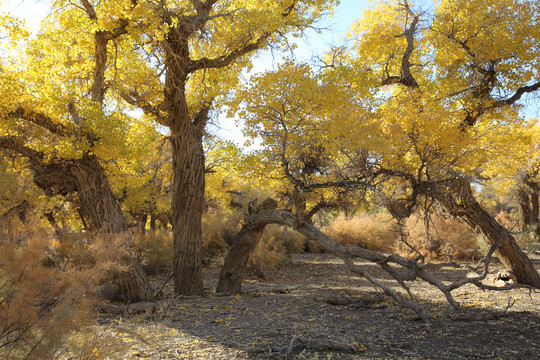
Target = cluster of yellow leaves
(345,111)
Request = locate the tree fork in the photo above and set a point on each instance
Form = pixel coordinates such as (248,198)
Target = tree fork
(87,178)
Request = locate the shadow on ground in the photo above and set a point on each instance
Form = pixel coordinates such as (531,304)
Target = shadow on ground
(292,303)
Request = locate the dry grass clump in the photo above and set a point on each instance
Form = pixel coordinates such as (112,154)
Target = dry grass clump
(73,247)
(447,239)
(376,232)
(156,250)
(45,311)
(275,248)
(218,227)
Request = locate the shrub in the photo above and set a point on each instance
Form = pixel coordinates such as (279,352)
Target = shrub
(73,247)
(155,250)
(217,225)
(527,236)
(277,245)
(374,232)
(448,238)
(45,311)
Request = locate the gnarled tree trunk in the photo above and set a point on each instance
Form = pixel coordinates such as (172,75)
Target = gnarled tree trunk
(458,200)
(243,245)
(87,178)
(188,168)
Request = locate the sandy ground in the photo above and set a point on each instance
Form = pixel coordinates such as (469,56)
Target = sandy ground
(291,304)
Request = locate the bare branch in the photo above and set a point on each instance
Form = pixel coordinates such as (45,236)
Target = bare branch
(90,11)
(517,95)
(406,77)
(135,99)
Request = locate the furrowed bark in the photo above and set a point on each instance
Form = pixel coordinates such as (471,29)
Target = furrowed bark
(458,200)
(243,245)
(188,170)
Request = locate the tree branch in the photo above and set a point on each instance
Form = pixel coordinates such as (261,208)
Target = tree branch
(406,77)
(39,119)
(90,11)
(14,143)
(227,59)
(135,99)
(517,95)
(46,122)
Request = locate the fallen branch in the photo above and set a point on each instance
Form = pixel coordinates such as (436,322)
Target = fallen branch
(169,277)
(313,344)
(134,308)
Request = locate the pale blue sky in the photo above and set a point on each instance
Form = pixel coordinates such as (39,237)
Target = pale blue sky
(334,30)
(312,44)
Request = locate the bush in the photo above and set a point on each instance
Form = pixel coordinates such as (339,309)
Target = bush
(277,245)
(45,312)
(448,239)
(217,225)
(73,247)
(376,232)
(155,250)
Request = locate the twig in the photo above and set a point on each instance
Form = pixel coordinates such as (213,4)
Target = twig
(164,283)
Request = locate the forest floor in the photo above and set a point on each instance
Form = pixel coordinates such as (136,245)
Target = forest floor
(286,315)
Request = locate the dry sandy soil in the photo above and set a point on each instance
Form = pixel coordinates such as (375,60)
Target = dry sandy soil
(291,304)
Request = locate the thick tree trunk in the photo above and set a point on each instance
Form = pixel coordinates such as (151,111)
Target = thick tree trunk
(153,222)
(524,206)
(87,178)
(243,245)
(535,214)
(535,209)
(187,208)
(133,282)
(188,169)
(96,197)
(458,199)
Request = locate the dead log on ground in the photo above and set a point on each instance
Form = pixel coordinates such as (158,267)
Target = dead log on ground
(135,308)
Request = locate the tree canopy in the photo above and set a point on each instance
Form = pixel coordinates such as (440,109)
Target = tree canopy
(108,105)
